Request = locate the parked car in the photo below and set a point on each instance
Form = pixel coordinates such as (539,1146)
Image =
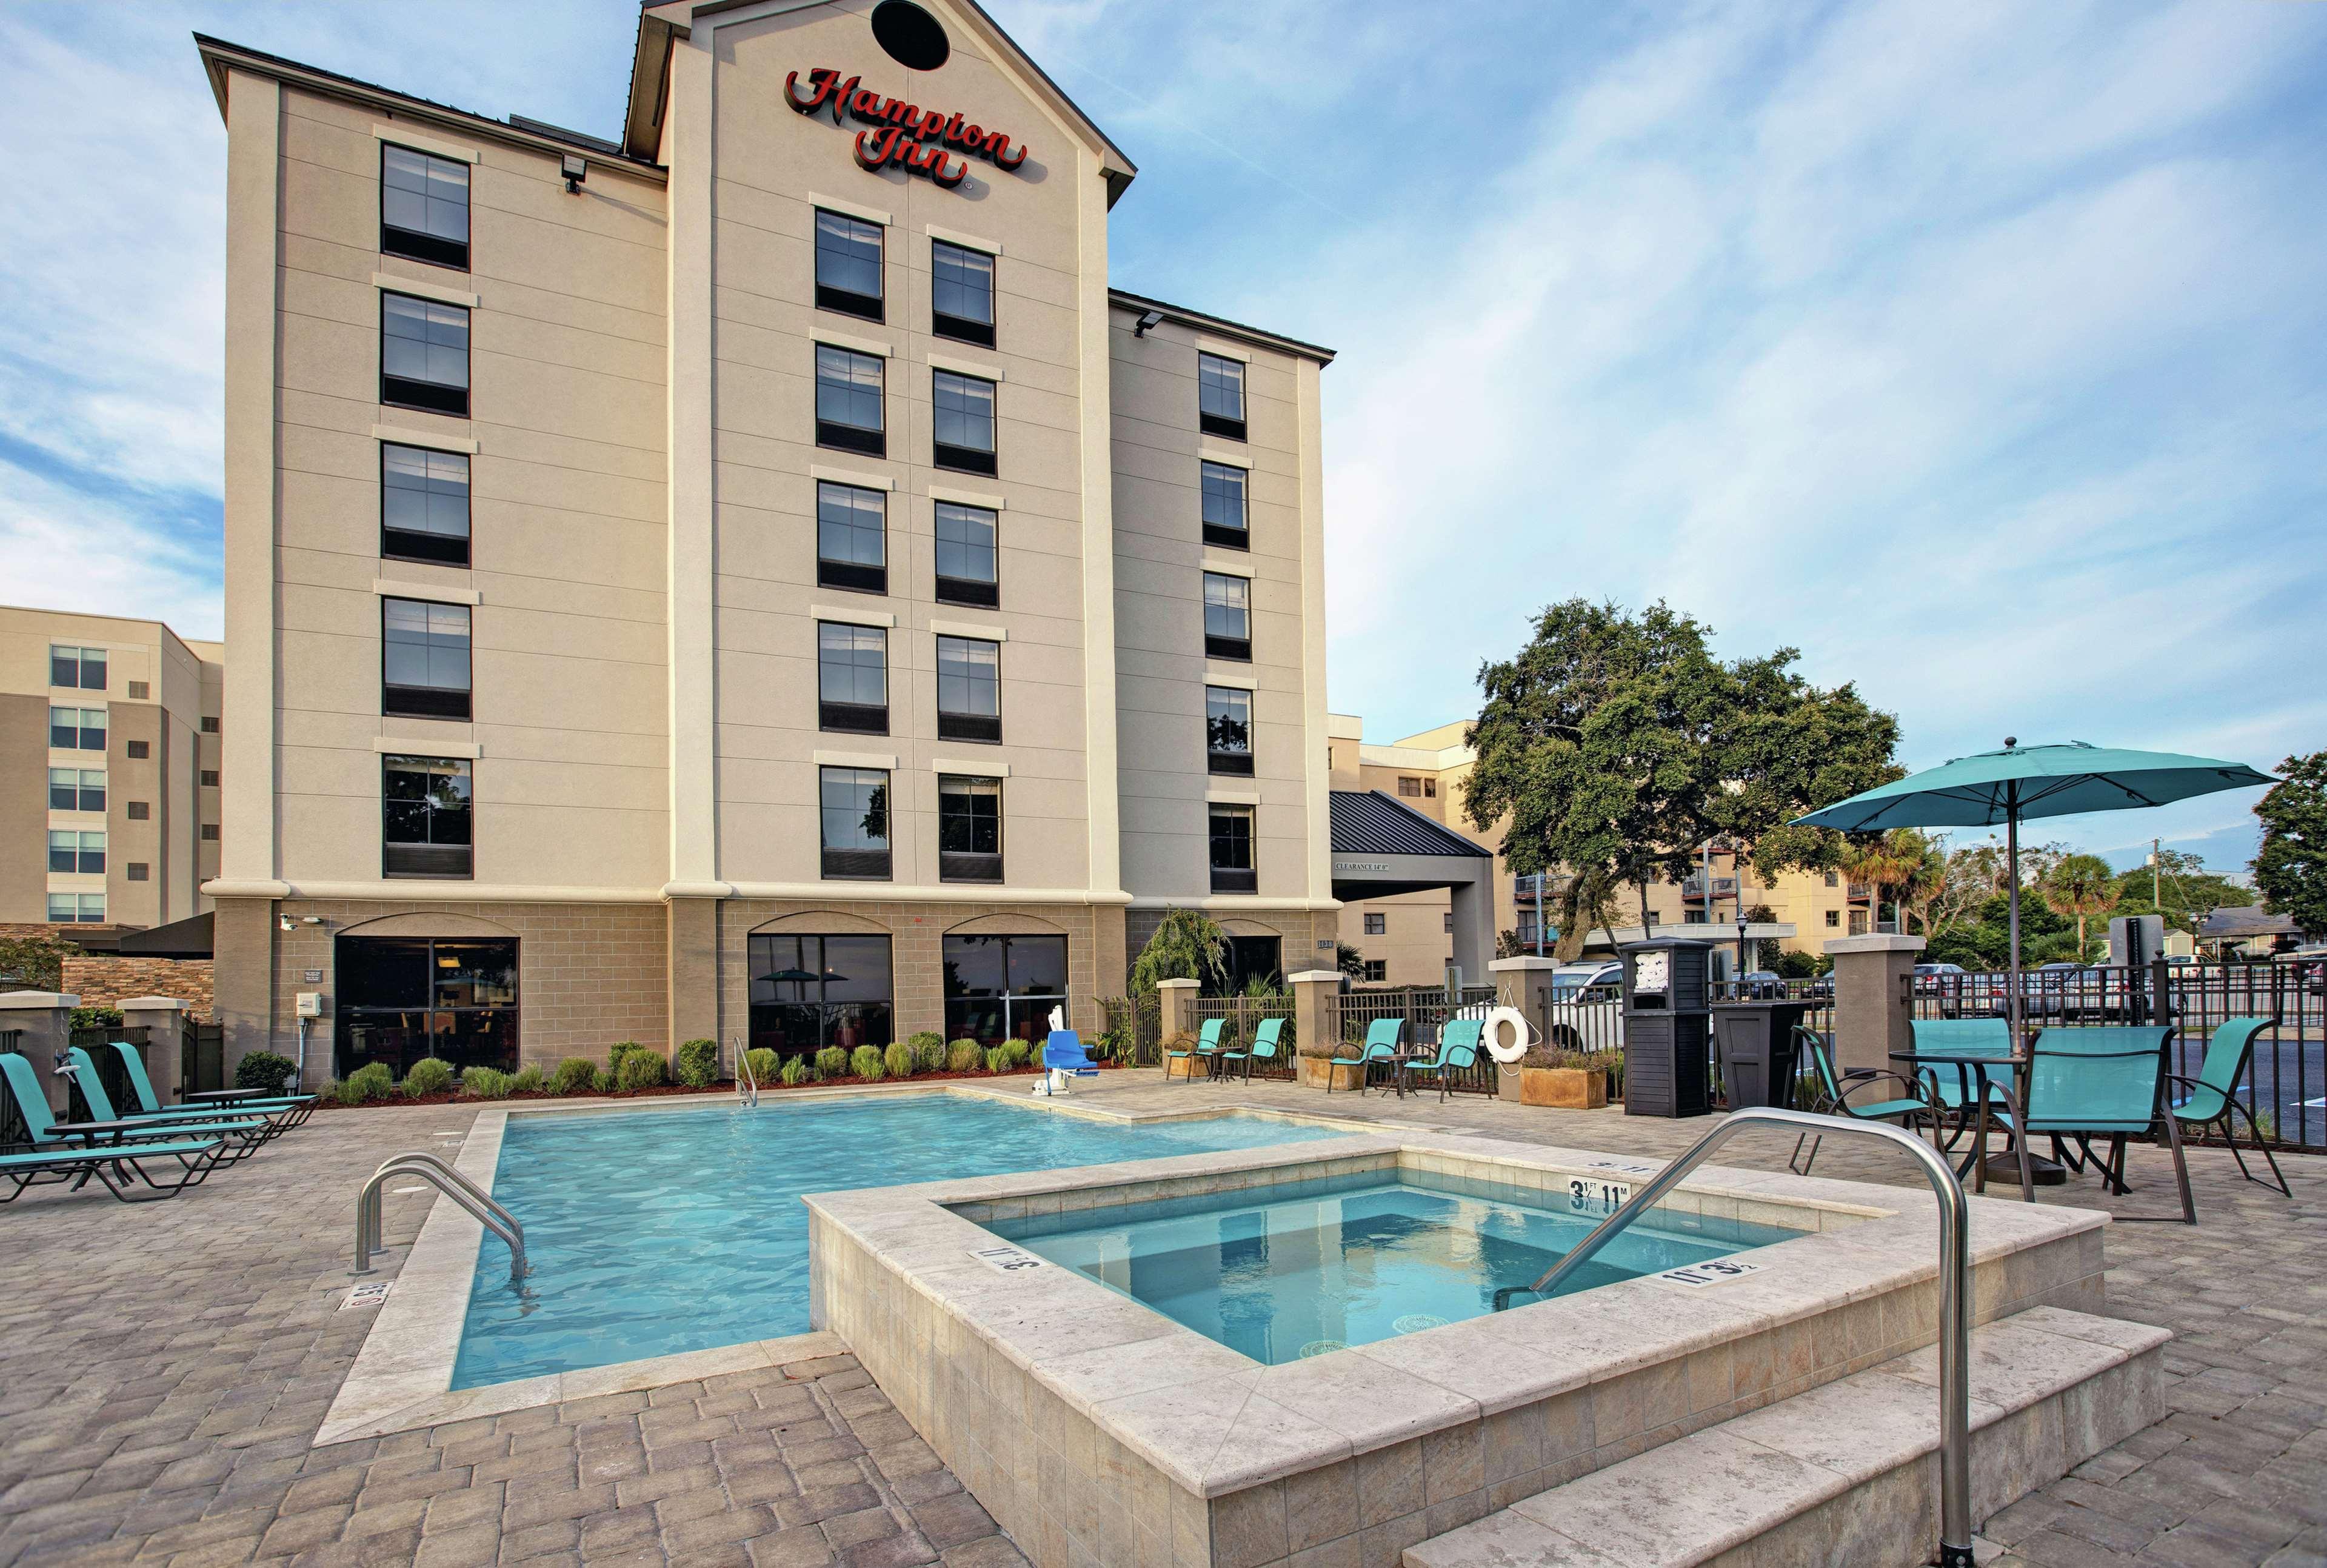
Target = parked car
(1586,1011)
(1761,986)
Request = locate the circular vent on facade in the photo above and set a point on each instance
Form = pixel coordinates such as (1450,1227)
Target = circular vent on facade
(910,35)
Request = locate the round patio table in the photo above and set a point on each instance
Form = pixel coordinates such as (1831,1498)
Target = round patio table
(2031,1170)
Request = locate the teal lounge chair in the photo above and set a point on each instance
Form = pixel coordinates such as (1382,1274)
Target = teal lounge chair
(1206,1050)
(1832,1095)
(1458,1051)
(2102,1083)
(2213,1098)
(242,1132)
(114,1152)
(1381,1045)
(288,1110)
(1264,1047)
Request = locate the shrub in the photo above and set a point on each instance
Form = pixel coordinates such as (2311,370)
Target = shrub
(831,1062)
(795,1071)
(1016,1052)
(431,1075)
(97,1018)
(577,1075)
(527,1081)
(368,1083)
(262,1069)
(602,1080)
(997,1059)
(765,1066)
(928,1047)
(627,1047)
(865,1062)
(486,1083)
(641,1070)
(698,1063)
(965,1056)
(899,1060)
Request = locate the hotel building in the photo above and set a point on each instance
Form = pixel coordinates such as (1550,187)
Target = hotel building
(752,577)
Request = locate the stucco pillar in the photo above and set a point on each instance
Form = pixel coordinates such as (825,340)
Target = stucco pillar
(42,1022)
(162,1018)
(1473,905)
(1316,1011)
(1871,1008)
(693,958)
(242,950)
(1521,983)
(1172,998)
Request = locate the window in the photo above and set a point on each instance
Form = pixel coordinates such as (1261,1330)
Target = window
(78,729)
(424,505)
(1001,988)
(1224,518)
(1376,925)
(88,908)
(1232,862)
(963,408)
(139,691)
(75,789)
(969,690)
(847,264)
(82,668)
(961,294)
(424,206)
(209,777)
(209,726)
(1834,916)
(852,679)
(1251,958)
(140,810)
(1219,396)
(1375,969)
(969,564)
(210,832)
(854,804)
(851,538)
(1430,789)
(1228,731)
(1450,922)
(401,998)
(424,355)
(811,992)
(848,401)
(970,829)
(1409,787)
(140,870)
(137,750)
(424,818)
(424,659)
(1227,616)
(70,852)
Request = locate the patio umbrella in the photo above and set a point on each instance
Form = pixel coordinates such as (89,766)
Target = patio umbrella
(2020,782)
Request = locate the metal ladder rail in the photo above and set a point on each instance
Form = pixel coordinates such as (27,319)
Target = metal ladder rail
(1955,1286)
(475,1199)
(749,1090)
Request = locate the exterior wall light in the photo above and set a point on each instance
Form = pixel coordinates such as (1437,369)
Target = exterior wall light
(1151,319)
(576,169)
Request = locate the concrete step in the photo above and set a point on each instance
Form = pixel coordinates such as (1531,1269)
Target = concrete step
(1847,1473)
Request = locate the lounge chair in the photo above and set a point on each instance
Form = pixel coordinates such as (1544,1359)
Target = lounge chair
(1206,1050)
(1381,1045)
(1833,1095)
(2214,1097)
(290,1110)
(1264,1047)
(241,1132)
(2106,1082)
(1458,1051)
(110,1151)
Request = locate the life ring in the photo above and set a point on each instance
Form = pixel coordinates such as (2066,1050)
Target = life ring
(1506,1034)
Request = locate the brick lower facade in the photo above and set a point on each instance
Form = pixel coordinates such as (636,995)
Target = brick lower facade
(105,979)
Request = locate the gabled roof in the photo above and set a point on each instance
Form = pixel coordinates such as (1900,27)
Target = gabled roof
(2245,920)
(1369,822)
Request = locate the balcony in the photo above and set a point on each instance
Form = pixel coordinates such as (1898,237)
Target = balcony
(1723,887)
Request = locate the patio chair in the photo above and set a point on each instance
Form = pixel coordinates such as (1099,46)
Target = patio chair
(2106,1082)
(290,1110)
(2214,1097)
(1951,1082)
(76,1151)
(1206,1050)
(1264,1047)
(1831,1095)
(1458,1051)
(1381,1045)
(242,1132)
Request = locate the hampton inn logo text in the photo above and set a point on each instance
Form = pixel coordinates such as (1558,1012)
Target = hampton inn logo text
(927,142)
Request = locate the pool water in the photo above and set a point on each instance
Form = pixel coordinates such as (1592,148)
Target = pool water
(655,1232)
(1314,1267)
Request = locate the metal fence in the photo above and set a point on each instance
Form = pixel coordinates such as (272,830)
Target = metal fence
(2284,1085)
(1135,1029)
(1241,1018)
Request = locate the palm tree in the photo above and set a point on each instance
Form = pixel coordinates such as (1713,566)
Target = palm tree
(2079,886)
(1880,863)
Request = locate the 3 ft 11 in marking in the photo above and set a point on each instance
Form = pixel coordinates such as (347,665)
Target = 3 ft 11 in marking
(1596,1197)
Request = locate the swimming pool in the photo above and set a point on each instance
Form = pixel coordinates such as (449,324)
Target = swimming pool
(1323,1265)
(651,1233)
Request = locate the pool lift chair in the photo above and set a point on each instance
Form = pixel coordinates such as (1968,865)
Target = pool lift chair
(1064,1056)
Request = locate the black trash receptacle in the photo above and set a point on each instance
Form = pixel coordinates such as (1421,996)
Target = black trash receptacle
(1759,1054)
(1667,1058)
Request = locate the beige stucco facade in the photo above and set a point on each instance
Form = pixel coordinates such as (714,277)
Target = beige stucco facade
(645,747)
(146,770)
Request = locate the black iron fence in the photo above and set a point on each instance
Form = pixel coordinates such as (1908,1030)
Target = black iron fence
(112,1076)
(2284,1084)
(1134,1027)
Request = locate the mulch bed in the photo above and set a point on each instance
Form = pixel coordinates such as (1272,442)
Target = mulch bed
(399,1099)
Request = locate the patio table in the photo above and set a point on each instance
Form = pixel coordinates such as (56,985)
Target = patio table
(229,1096)
(2030,1169)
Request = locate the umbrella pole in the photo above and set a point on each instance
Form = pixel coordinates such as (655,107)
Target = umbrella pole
(2012,854)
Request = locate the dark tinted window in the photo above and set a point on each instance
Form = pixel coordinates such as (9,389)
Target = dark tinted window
(424,505)
(424,206)
(847,264)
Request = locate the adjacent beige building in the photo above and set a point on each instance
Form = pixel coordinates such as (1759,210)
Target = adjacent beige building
(109,770)
(751,578)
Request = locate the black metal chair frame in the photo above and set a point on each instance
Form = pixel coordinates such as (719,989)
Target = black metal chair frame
(1827,1103)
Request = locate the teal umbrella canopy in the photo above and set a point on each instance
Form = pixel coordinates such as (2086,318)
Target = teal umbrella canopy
(2024,781)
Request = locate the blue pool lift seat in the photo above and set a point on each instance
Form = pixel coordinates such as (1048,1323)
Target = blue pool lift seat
(1064,1056)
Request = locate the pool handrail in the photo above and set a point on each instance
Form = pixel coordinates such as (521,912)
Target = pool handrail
(454,1185)
(1955,1286)
(747,1084)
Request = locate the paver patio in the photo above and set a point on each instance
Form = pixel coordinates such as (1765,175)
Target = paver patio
(163,1370)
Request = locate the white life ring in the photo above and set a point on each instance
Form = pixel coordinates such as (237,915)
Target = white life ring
(1506,1034)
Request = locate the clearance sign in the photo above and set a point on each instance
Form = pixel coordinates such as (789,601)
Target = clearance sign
(927,142)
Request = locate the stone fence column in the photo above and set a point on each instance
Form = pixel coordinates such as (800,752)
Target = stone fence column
(1172,1005)
(162,1018)
(1521,983)
(1871,1008)
(1316,1022)
(42,1022)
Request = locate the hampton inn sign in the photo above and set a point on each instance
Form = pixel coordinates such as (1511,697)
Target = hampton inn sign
(921,141)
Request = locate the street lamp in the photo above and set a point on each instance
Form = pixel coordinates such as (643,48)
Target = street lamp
(1741,944)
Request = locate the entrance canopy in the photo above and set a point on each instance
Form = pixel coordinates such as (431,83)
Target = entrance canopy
(1382,848)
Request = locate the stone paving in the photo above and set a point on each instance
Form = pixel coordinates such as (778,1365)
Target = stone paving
(163,1370)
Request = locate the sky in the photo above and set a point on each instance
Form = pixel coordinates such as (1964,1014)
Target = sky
(1978,351)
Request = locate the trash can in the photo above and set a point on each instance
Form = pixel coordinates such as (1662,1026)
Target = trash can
(1759,1056)
(1667,1050)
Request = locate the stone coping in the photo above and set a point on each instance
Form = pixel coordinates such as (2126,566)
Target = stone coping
(1215,1421)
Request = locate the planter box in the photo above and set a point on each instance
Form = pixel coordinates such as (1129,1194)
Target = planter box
(1186,1066)
(1320,1072)
(1567,1088)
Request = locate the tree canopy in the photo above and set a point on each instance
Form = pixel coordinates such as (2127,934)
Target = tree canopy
(2291,868)
(1616,743)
